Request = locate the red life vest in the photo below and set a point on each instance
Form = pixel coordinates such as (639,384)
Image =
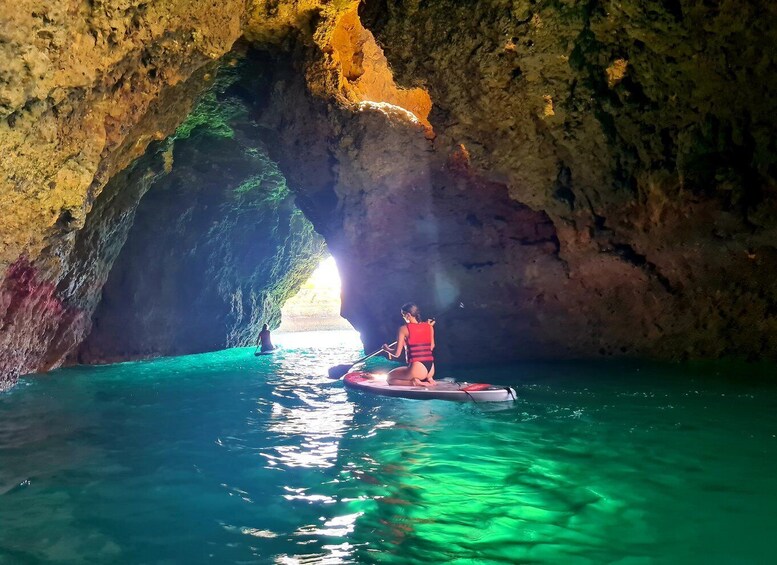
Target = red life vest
(419,342)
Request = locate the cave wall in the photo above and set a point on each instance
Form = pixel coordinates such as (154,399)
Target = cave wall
(47,295)
(85,88)
(644,130)
(80,82)
(638,170)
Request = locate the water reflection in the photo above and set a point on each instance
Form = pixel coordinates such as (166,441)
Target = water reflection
(232,458)
(306,427)
(306,418)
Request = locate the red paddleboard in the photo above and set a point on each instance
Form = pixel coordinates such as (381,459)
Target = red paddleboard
(375,383)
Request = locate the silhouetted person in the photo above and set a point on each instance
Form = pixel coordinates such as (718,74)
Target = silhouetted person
(264,339)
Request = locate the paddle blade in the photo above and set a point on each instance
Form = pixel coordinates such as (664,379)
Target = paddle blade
(338,371)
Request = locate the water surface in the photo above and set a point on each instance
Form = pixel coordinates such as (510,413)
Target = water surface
(232,458)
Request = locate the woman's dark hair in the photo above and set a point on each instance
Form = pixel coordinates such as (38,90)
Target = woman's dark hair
(412,309)
(264,327)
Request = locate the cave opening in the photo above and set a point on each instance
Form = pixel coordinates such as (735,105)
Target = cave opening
(206,236)
(208,240)
(316,306)
(228,219)
(265,176)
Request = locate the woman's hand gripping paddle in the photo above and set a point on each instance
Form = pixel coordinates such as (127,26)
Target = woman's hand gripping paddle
(339,371)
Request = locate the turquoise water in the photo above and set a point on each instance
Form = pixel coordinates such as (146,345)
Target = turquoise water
(231,458)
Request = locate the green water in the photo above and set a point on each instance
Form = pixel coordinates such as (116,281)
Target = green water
(231,458)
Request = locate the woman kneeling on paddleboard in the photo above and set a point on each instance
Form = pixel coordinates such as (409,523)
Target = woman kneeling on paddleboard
(418,336)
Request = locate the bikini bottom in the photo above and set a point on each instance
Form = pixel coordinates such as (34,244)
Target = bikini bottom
(427,364)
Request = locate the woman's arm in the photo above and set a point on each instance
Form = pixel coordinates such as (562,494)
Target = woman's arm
(432,337)
(401,338)
(401,335)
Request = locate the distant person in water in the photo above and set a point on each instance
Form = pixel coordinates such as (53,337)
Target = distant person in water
(264,339)
(417,339)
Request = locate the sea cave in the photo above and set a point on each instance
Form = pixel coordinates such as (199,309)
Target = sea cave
(573,190)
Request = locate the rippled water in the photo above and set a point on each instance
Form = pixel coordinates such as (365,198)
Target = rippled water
(231,458)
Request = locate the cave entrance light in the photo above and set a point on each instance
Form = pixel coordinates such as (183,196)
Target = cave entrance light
(316,307)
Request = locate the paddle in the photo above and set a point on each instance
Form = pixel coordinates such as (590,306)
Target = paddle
(340,370)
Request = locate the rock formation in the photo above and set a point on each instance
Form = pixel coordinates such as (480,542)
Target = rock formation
(84,89)
(557,179)
(216,247)
(644,132)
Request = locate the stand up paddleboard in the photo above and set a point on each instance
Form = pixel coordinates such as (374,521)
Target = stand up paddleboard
(443,390)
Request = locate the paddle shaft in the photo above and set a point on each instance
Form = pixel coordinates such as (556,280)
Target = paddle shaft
(339,370)
(373,354)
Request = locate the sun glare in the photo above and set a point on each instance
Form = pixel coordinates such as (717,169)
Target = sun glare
(326,275)
(316,307)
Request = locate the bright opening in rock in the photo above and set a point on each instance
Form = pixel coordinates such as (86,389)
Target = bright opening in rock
(316,307)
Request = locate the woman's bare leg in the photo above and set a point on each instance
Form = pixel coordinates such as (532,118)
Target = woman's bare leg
(430,376)
(414,375)
(419,374)
(400,377)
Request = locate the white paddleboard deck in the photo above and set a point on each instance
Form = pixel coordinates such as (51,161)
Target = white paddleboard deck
(443,390)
